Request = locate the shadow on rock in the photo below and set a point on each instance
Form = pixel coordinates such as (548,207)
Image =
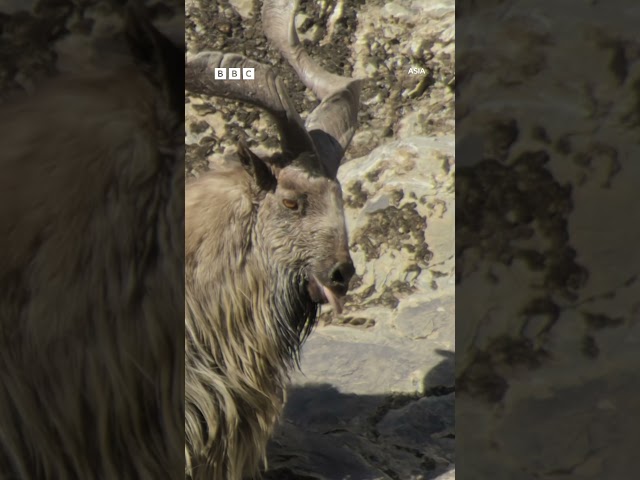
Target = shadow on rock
(326,434)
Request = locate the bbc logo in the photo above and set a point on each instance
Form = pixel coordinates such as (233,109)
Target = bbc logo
(235,74)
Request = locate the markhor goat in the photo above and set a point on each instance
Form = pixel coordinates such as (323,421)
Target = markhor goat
(265,244)
(91,293)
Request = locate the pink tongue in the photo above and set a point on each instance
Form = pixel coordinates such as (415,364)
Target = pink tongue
(335,302)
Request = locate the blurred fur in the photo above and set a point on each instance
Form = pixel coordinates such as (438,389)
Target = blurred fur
(91,365)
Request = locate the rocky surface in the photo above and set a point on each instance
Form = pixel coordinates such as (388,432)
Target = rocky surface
(547,258)
(374,40)
(375,396)
(44,38)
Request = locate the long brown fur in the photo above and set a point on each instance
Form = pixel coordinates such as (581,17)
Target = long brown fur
(247,309)
(266,244)
(91,377)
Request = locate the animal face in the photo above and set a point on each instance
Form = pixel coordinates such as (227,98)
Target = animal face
(302,226)
(308,213)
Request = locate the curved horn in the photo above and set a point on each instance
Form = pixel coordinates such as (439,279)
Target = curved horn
(265,91)
(332,124)
(318,146)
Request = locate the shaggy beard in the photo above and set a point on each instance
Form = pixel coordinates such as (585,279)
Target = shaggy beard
(294,311)
(290,315)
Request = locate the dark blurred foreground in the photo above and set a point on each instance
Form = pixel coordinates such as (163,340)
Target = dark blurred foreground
(92,242)
(547,232)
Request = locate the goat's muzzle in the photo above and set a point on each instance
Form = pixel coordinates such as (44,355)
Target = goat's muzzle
(340,276)
(335,287)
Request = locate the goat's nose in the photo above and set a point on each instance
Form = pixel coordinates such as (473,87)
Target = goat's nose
(341,273)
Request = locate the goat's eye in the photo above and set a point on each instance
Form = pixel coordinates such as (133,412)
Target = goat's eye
(290,204)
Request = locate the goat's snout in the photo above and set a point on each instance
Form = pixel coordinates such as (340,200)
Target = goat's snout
(341,274)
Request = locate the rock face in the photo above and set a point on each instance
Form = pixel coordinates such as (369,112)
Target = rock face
(374,40)
(43,38)
(547,254)
(375,397)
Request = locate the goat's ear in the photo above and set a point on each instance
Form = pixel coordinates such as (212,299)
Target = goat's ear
(257,168)
(161,60)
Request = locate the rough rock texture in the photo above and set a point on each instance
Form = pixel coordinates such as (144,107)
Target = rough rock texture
(375,396)
(43,38)
(546,240)
(374,40)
